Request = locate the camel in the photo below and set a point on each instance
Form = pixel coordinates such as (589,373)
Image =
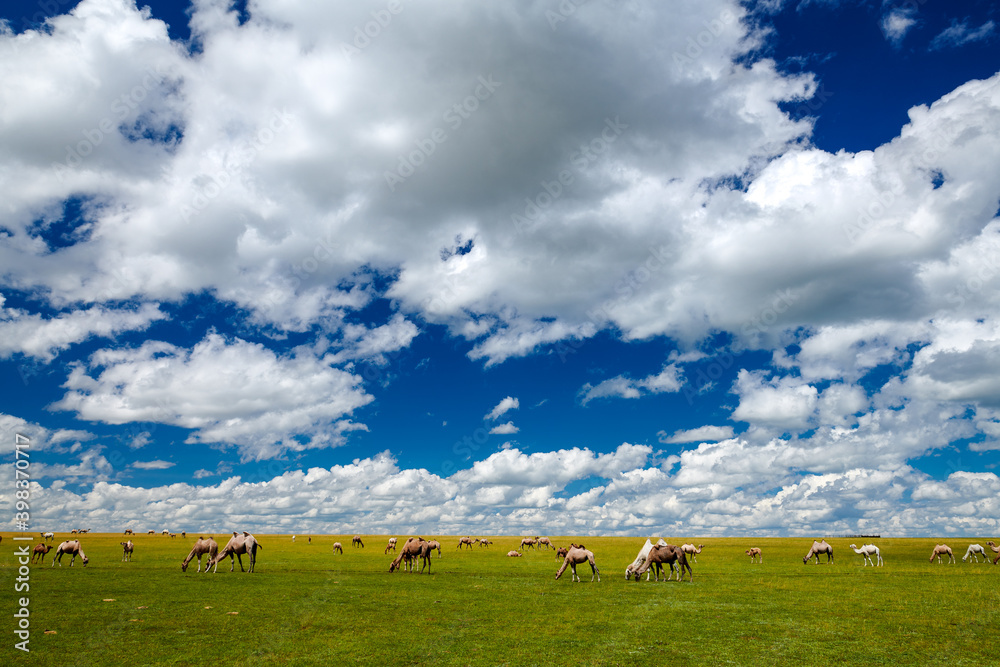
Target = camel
(356,542)
(165,532)
(528,542)
(128,531)
(514,554)
(483,542)
(640,559)
(127,549)
(73,532)
(48,536)
(338,548)
(754,552)
(73,548)
(867,550)
(434,544)
(940,550)
(544,541)
(237,545)
(974,550)
(184,534)
(818,548)
(202,547)
(40,550)
(466,541)
(151,532)
(391,545)
(669,554)
(576,556)
(415,547)
(692,550)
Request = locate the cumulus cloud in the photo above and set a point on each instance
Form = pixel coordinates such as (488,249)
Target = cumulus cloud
(700,434)
(226,391)
(669,379)
(504,429)
(507,404)
(153,465)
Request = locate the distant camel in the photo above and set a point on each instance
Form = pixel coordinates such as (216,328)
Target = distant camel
(940,550)
(867,550)
(127,549)
(415,547)
(974,551)
(338,548)
(640,559)
(40,550)
(128,531)
(390,545)
(544,541)
(466,541)
(576,556)
(151,532)
(754,552)
(237,545)
(434,544)
(514,554)
(528,542)
(483,542)
(48,536)
(666,554)
(202,547)
(356,542)
(692,550)
(818,548)
(561,552)
(71,547)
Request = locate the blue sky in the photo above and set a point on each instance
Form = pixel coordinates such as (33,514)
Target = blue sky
(614,267)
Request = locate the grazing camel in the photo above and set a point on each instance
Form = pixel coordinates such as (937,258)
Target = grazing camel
(128,531)
(528,542)
(73,548)
(641,558)
(668,554)
(754,553)
(867,550)
(514,554)
(940,550)
(818,548)
(465,541)
(184,534)
(434,544)
(202,547)
(483,542)
(39,552)
(692,550)
(576,556)
(390,545)
(974,551)
(544,541)
(237,545)
(338,548)
(356,542)
(151,532)
(415,547)
(48,536)
(561,552)
(127,549)
(74,531)
(164,532)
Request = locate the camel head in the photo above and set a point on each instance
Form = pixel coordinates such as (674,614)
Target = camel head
(85,561)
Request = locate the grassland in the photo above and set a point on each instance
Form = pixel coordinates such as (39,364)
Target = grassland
(306,606)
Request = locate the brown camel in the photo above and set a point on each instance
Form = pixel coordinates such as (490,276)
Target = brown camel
(202,547)
(435,545)
(818,548)
(40,551)
(754,553)
(71,547)
(666,554)
(528,542)
(390,545)
(576,556)
(415,547)
(127,549)
(561,552)
(544,542)
(356,542)
(238,545)
(466,541)
(513,554)
(941,550)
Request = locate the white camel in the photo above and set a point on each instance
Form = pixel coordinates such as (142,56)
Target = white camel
(818,548)
(692,550)
(641,558)
(867,550)
(73,548)
(202,547)
(127,549)
(974,551)
(237,545)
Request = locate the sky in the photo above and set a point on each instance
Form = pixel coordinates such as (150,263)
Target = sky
(568,267)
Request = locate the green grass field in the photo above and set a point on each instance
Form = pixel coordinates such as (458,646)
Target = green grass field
(306,606)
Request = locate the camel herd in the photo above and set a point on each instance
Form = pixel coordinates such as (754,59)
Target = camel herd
(650,560)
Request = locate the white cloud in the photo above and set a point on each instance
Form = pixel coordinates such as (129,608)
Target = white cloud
(227,391)
(669,379)
(782,403)
(700,434)
(504,429)
(897,22)
(153,465)
(501,408)
(959,34)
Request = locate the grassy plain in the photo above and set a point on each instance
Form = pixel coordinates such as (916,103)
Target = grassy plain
(306,606)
